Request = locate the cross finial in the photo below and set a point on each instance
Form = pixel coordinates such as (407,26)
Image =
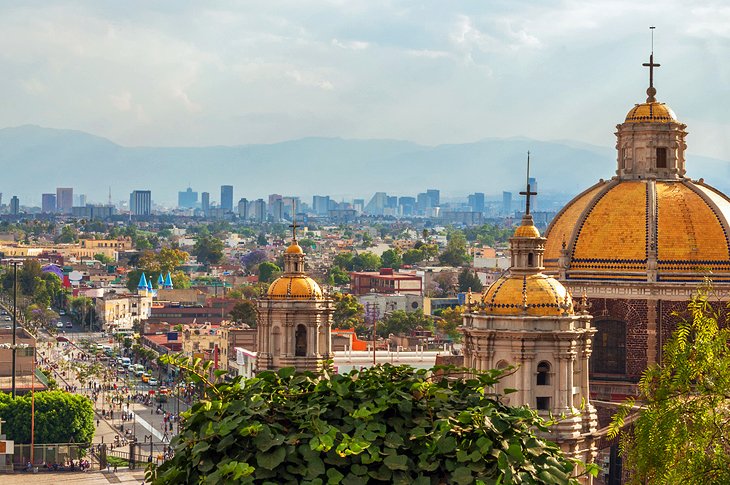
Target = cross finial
(651,92)
(527,192)
(293,224)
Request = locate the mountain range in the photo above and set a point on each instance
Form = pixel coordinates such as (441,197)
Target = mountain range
(35,160)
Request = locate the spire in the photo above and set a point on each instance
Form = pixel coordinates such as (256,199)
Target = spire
(168,281)
(651,91)
(293,224)
(142,282)
(527,192)
(160,281)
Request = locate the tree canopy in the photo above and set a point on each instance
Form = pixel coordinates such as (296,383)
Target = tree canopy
(208,249)
(455,253)
(349,313)
(468,280)
(400,322)
(682,432)
(268,271)
(244,312)
(380,425)
(60,417)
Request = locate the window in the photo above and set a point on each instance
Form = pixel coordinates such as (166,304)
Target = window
(661,158)
(300,349)
(543,403)
(543,374)
(530,260)
(609,349)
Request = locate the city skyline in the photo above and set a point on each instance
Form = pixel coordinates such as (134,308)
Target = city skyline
(262,73)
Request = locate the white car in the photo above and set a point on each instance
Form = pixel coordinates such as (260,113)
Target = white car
(62,312)
(59,324)
(152,382)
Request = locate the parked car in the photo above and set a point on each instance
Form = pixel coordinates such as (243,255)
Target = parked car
(153,381)
(59,324)
(69,325)
(62,312)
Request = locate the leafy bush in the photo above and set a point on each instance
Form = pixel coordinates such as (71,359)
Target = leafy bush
(381,425)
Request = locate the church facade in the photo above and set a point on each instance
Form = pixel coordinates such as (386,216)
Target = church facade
(638,246)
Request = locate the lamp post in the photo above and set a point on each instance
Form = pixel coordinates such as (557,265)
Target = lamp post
(145,439)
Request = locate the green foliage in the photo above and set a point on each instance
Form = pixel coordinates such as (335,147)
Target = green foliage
(682,432)
(365,261)
(349,313)
(60,417)
(338,276)
(469,280)
(68,235)
(455,253)
(381,425)
(261,239)
(244,312)
(489,234)
(391,259)
(103,258)
(403,323)
(268,271)
(208,250)
(450,319)
(413,256)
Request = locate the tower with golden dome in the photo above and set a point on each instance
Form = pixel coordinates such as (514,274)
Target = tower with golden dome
(294,318)
(527,319)
(639,244)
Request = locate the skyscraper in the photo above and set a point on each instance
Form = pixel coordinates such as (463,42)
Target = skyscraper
(506,203)
(140,202)
(321,204)
(48,203)
(259,210)
(243,209)
(533,188)
(14,205)
(205,203)
(227,198)
(187,199)
(434,196)
(64,199)
(476,202)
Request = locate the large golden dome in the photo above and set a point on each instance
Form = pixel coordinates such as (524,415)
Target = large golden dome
(651,113)
(538,294)
(294,287)
(624,229)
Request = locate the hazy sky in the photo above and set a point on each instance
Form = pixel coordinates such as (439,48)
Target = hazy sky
(203,73)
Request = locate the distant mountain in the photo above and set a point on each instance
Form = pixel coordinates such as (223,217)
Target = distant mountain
(34,160)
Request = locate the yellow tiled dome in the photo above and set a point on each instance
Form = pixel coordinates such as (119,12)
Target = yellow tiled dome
(294,248)
(543,296)
(611,230)
(527,231)
(651,113)
(294,287)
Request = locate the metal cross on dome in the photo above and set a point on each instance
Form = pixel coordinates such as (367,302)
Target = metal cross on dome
(527,192)
(651,65)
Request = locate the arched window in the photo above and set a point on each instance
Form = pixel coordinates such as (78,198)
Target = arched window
(300,341)
(543,373)
(609,348)
(530,260)
(502,364)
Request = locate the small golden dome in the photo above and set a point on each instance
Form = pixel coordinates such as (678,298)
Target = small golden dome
(527,231)
(651,113)
(294,287)
(294,249)
(541,294)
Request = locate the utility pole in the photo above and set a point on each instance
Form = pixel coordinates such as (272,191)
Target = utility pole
(15,320)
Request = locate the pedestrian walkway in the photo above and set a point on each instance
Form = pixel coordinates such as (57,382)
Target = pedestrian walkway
(124,477)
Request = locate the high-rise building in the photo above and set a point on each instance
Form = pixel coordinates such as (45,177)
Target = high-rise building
(14,205)
(48,203)
(243,209)
(407,206)
(434,196)
(321,204)
(476,202)
(377,204)
(205,203)
(140,202)
(506,203)
(259,210)
(227,198)
(533,188)
(187,199)
(64,199)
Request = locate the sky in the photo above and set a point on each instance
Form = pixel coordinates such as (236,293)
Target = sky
(186,73)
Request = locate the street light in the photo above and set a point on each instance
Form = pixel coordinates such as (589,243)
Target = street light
(150,438)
